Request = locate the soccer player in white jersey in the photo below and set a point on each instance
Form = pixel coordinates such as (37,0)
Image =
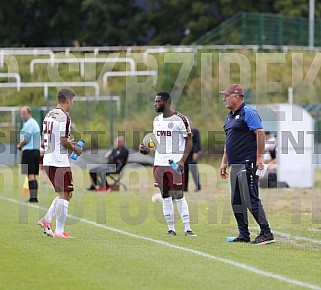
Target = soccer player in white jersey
(173,134)
(56,141)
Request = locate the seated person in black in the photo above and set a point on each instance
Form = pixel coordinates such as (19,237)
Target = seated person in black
(116,160)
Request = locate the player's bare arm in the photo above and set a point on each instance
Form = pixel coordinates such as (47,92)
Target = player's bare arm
(70,145)
(187,150)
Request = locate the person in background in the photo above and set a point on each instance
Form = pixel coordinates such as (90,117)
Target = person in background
(269,148)
(271,160)
(191,162)
(30,146)
(116,160)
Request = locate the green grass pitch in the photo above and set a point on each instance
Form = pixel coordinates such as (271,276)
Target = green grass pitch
(120,240)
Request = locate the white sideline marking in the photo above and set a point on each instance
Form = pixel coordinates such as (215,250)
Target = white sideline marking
(198,253)
(314,230)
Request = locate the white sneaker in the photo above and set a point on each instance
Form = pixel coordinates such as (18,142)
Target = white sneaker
(47,228)
(63,235)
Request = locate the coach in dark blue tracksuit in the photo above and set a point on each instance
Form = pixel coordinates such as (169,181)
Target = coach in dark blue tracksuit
(244,149)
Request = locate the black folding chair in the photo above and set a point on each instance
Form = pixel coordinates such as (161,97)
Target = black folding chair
(116,179)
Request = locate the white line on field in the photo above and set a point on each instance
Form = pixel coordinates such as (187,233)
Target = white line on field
(195,252)
(314,230)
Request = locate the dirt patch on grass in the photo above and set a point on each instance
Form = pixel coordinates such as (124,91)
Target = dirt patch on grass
(299,244)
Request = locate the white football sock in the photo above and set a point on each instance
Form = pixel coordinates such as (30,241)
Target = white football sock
(183,210)
(61,214)
(168,211)
(51,211)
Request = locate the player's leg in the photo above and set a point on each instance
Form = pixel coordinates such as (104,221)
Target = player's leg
(64,188)
(168,206)
(61,214)
(51,213)
(45,222)
(176,184)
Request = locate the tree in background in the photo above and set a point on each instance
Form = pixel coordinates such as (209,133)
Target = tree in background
(35,23)
(11,23)
(180,21)
(296,8)
(230,7)
(113,22)
(50,23)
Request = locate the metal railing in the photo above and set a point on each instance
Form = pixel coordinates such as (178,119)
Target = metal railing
(82,61)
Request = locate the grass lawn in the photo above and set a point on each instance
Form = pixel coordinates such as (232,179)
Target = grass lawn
(120,243)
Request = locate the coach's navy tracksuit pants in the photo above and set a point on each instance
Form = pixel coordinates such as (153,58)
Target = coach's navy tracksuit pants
(245,195)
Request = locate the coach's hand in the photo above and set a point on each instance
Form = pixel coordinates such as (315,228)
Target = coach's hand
(223,171)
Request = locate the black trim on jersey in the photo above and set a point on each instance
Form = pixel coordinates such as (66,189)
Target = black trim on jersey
(67,123)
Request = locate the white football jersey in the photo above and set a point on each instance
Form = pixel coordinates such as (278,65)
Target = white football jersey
(170,133)
(55,125)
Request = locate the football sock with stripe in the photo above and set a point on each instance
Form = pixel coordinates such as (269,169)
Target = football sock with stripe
(183,211)
(168,211)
